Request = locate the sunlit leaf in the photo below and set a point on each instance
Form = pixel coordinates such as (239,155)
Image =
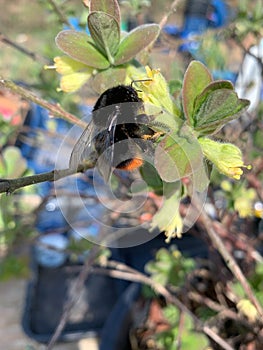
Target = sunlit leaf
(79,46)
(136,41)
(105,31)
(164,269)
(178,155)
(111,7)
(12,163)
(196,78)
(200,178)
(217,108)
(215,85)
(108,78)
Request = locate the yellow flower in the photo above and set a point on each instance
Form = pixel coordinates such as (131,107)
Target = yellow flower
(73,82)
(74,73)
(153,88)
(244,203)
(67,65)
(226,186)
(168,218)
(176,254)
(244,207)
(174,228)
(225,156)
(156,91)
(246,308)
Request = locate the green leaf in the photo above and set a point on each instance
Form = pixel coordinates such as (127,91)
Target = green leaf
(201,177)
(178,155)
(168,218)
(108,78)
(79,46)
(164,269)
(196,78)
(152,178)
(12,163)
(105,31)
(169,268)
(215,108)
(136,41)
(168,120)
(216,85)
(111,7)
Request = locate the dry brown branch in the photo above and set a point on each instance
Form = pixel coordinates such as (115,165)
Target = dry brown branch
(33,55)
(63,19)
(229,259)
(172,9)
(122,271)
(55,109)
(77,288)
(8,186)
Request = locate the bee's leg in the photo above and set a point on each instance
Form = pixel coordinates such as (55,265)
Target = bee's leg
(155,128)
(153,136)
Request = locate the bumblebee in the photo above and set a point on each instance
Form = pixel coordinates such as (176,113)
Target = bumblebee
(119,132)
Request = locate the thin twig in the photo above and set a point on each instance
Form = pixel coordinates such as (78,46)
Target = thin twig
(172,9)
(181,327)
(228,258)
(60,14)
(123,271)
(85,271)
(33,55)
(55,109)
(223,312)
(164,20)
(10,185)
(247,51)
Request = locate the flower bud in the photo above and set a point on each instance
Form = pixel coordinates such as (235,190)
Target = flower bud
(225,156)
(74,73)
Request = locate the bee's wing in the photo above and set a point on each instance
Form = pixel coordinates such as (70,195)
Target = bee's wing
(98,139)
(105,160)
(104,165)
(83,146)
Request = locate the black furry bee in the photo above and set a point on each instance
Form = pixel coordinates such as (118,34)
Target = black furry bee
(119,132)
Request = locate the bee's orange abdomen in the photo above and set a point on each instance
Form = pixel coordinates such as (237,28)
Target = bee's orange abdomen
(130,164)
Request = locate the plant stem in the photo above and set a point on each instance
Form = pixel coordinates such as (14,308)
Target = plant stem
(228,258)
(34,56)
(85,271)
(61,16)
(10,185)
(168,14)
(55,109)
(122,271)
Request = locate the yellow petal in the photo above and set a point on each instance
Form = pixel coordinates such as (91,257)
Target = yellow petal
(174,228)
(67,65)
(225,156)
(74,81)
(244,207)
(226,186)
(246,308)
